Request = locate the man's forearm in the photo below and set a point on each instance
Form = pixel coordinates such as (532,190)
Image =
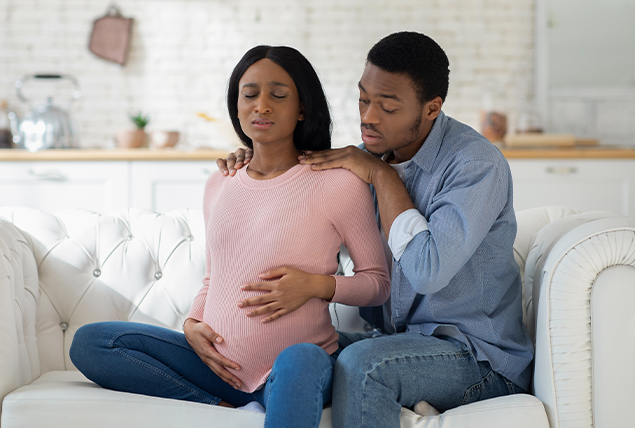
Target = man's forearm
(392,196)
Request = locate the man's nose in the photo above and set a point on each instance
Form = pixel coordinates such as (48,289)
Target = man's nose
(370,114)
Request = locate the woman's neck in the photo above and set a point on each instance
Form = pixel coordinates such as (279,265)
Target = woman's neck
(269,161)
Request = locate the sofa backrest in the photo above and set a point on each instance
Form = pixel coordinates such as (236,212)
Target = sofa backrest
(135,265)
(131,265)
(19,294)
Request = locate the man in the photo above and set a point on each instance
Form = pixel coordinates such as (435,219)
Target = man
(452,333)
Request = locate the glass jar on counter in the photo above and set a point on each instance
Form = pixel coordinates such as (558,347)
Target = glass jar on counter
(494,116)
(6,136)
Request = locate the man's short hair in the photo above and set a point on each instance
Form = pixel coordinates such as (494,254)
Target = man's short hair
(417,56)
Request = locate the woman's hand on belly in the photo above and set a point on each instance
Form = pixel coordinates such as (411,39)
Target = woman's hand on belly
(288,290)
(201,338)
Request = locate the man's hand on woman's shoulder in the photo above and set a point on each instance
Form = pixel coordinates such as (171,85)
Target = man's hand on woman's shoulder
(234,161)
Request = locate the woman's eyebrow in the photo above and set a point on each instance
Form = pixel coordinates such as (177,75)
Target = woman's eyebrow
(274,83)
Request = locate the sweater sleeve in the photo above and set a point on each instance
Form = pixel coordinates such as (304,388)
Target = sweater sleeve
(198,304)
(349,205)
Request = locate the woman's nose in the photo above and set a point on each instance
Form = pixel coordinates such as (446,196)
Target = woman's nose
(262,106)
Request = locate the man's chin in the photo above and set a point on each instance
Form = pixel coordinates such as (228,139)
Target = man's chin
(376,151)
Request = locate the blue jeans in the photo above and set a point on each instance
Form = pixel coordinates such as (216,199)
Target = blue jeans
(376,376)
(150,360)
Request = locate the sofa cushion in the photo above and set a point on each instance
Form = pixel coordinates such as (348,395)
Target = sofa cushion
(60,399)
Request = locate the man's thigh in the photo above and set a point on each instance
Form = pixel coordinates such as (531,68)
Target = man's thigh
(415,367)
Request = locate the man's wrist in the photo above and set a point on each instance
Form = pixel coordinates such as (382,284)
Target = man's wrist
(383,174)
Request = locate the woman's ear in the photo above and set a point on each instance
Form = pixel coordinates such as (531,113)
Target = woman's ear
(301,117)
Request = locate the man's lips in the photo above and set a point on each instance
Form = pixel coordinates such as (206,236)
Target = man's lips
(262,123)
(370,137)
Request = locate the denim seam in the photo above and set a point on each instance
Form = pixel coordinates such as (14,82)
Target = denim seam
(154,369)
(318,415)
(128,332)
(168,377)
(454,355)
(271,379)
(480,385)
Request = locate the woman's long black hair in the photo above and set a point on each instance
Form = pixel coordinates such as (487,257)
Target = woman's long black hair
(312,133)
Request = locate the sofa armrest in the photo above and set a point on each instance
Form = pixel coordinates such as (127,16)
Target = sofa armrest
(583,273)
(19,293)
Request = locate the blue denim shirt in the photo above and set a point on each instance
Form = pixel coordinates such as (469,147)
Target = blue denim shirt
(459,278)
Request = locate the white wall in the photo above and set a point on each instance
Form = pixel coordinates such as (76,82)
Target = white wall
(183,51)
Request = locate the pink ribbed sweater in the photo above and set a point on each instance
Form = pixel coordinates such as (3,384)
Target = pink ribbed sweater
(298,219)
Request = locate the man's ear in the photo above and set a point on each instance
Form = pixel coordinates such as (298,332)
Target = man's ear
(432,108)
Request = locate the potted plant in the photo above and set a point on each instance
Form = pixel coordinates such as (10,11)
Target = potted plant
(136,138)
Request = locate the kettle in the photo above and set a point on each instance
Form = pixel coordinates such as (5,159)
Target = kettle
(46,126)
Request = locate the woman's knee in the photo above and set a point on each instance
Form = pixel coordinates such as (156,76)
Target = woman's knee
(302,358)
(89,340)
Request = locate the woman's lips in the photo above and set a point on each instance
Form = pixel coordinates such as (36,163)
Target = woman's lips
(262,123)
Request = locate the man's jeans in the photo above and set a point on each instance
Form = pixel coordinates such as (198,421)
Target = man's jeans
(376,376)
(150,360)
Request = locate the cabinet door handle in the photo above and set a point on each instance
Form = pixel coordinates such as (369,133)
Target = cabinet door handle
(562,170)
(47,174)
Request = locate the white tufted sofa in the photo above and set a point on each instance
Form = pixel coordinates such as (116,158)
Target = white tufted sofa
(58,272)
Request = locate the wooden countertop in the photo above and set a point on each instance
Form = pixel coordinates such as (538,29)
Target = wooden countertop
(211,155)
(597,152)
(112,155)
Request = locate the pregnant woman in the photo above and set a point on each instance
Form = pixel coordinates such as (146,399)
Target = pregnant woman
(259,329)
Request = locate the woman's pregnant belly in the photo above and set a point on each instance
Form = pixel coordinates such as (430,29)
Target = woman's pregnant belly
(254,346)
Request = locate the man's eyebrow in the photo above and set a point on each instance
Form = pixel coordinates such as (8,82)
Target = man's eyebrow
(389,96)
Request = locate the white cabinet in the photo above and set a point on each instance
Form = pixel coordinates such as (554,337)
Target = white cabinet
(104,186)
(54,186)
(166,186)
(580,183)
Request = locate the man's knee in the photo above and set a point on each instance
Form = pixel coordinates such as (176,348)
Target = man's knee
(356,359)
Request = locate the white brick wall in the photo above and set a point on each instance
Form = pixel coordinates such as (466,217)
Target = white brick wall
(183,51)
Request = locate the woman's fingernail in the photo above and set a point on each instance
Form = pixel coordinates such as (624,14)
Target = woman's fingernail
(219,339)
(240,304)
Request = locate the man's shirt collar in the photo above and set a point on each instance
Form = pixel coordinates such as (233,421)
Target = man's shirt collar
(427,154)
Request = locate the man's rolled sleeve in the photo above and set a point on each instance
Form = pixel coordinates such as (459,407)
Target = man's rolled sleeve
(406,226)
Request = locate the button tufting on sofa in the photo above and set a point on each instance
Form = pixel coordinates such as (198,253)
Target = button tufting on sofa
(46,277)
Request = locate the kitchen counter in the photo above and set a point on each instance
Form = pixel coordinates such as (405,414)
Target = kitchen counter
(598,152)
(112,155)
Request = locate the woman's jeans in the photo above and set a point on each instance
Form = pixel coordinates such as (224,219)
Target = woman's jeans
(150,360)
(376,376)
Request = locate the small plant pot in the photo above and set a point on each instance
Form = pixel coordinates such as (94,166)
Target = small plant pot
(132,139)
(163,139)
